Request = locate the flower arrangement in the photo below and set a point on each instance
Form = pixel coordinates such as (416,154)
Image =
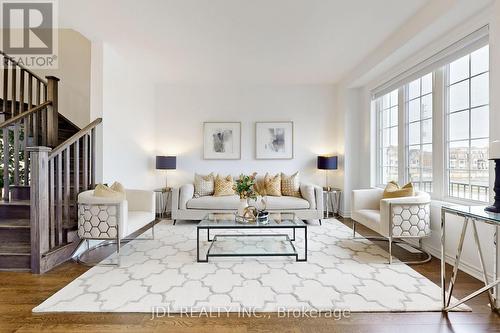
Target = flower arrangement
(245,186)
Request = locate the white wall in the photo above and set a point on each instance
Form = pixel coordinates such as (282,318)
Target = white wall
(182,109)
(128,111)
(358,135)
(74,74)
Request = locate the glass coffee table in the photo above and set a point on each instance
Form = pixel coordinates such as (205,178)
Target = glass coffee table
(241,243)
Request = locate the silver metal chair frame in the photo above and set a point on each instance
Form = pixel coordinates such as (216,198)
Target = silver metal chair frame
(399,239)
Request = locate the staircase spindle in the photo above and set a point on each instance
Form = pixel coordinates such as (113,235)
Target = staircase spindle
(85,182)
(52,202)
(5,133)
(24,141)
(76,175)
(30,104)
(16,127)
(67,219)
(59,211)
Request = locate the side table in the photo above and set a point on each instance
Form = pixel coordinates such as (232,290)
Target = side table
(332,197)
(163,196)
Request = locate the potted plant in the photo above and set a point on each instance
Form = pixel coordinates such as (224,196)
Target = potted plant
(245,187)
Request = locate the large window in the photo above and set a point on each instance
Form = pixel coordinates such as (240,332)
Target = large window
(467,83)
(418,103)
(387,116)
(437,136)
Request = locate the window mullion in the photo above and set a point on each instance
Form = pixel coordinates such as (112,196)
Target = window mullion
(402,135)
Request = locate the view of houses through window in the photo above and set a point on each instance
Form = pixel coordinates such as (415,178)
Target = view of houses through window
(466,110)
(468,126)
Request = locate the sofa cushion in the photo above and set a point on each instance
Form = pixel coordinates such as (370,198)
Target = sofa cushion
(136,220)
(229,202)
(370,218)
(232,203)
(286,203)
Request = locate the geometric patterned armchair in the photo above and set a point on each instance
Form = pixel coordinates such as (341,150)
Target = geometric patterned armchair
(394,218)
(114,219)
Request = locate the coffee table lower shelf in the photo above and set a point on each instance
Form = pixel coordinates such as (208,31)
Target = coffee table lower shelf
(279,248)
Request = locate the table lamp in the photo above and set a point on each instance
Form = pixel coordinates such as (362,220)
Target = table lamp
(166,163)
(495,156)
(327,163)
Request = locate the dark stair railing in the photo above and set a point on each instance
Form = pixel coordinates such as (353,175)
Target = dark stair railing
(55,173)
(29,110)
(57,177)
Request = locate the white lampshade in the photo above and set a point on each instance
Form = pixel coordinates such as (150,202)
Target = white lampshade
(495,150)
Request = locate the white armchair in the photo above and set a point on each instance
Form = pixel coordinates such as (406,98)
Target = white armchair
(114,219)
(395,218)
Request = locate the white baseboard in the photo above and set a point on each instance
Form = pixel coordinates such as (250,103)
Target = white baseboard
(464,266)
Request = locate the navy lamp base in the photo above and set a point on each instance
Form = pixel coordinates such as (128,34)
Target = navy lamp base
(495,208)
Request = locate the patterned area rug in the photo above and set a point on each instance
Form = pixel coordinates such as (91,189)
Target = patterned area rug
(340,274)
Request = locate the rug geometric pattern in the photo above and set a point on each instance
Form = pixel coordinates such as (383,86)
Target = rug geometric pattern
(341,273)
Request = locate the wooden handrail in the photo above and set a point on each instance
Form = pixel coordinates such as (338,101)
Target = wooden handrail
(23,115)
(23,67)
(81,133)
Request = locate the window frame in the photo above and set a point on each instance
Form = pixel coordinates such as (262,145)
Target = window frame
(440,133)
(446,144)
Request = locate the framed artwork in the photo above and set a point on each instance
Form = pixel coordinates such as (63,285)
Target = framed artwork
(274,140)
(222,141)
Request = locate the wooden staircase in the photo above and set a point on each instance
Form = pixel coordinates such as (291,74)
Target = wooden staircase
(50,160)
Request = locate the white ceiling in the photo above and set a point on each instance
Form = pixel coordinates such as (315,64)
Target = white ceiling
(205,41)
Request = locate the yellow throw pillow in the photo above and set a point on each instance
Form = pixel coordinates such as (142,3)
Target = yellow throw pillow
(105,192)
(290,185)
(223,186)
(118,187)
(392,190)
(272,185)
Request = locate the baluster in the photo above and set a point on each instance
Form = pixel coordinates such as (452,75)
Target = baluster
(59,202)
(5,134)
(76,167)
(24,127)
(85,182)
(30,104)
(92,157)
(67,218)
(16,126)
(52,203)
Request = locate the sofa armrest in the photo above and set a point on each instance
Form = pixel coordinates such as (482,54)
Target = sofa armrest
(318,193)
(307,192)
(421,199)
(366,199)
(186,193)
(140,200)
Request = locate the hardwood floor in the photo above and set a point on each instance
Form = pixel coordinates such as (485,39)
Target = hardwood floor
(20,292)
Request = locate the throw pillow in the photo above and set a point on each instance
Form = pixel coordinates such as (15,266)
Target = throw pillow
(105,192)
(118,187)
(223,186)
(392,190)
(290,185)
(272,185)
(203,185)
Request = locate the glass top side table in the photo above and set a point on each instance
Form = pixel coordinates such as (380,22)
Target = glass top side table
(331,197)
(472,215)
(163,196)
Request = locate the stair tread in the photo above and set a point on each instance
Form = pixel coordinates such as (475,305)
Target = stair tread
(15,248)
(14,223)
(15,203)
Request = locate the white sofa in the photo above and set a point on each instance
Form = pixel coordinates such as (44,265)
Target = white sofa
(394,218)
(186,207)
(114,219)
